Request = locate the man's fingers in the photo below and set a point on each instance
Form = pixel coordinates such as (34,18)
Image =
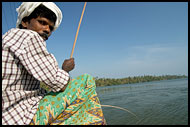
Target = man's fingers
(68,64)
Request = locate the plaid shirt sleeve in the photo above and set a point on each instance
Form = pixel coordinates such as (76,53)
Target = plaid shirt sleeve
(40,63)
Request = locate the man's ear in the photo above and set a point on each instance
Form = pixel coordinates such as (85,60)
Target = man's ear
(24,24)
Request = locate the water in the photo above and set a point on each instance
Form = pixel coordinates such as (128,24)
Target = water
(154,103)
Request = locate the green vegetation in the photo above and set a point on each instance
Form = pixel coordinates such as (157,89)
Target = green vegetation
(135,79)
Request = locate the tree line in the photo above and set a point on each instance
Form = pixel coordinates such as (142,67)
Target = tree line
(135,79)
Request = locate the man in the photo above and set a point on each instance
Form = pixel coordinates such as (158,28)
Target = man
(26,62)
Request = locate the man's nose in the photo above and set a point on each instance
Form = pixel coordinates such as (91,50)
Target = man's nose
(47,29)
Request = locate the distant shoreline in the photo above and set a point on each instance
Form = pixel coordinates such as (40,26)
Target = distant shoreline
(135,79)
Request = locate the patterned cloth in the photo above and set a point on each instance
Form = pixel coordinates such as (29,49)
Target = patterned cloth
(77,105)
(26,62)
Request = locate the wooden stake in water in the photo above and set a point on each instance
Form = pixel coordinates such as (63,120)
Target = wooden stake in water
(78,30)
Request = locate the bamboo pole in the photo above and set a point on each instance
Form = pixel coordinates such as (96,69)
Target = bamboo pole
(78,30)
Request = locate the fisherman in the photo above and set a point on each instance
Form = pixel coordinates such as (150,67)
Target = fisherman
(26,63)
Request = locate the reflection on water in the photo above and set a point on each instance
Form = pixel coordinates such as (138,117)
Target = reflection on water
(160,103)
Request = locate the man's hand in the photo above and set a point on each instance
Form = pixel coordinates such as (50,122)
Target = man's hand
(68,65)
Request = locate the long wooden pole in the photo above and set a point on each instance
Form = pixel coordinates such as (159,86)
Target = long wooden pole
(78,30)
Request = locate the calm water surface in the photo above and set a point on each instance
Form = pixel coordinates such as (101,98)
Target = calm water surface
(154,103)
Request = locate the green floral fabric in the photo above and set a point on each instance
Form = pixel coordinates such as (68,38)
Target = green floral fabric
(77,105)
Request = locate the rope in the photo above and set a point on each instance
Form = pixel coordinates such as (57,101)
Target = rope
(15,14)
(78,30)
(121,109)
(5,18)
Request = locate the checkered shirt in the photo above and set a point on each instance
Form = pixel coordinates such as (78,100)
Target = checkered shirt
(26,62)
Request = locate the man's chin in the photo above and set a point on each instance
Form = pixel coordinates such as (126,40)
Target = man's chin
(44,38)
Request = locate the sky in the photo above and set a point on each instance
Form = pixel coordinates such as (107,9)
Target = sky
(118,39)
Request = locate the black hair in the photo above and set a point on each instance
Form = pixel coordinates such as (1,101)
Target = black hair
(41,11)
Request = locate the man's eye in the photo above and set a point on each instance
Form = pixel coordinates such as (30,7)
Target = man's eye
(42,22)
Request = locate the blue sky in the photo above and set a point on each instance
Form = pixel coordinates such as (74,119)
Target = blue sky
(119,39)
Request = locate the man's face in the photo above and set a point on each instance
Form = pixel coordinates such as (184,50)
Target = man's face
(41,25)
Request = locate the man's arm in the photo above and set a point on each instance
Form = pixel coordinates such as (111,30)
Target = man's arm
(67,66)
(43,65)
